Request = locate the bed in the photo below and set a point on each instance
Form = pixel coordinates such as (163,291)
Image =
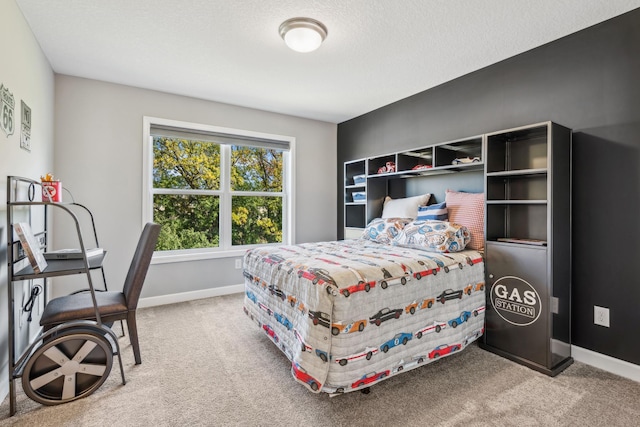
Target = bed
(351,313)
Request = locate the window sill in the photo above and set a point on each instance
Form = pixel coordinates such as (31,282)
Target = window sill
(163,258)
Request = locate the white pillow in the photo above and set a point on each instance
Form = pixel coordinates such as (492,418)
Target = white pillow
(404,208)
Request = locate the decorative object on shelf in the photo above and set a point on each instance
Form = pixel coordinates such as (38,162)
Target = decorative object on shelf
(359,196)
(303,34)
(31,247)
(25,134)
(7,108)
(51,189)
(388,168)
(465,160)
(359,179)
(72,253)
(421,167)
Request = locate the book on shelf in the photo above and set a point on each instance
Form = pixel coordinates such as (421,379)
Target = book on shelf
(72,253)
(31,246)
(535,242)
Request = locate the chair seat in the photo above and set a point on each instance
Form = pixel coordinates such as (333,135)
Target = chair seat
(80,307)
(112,306)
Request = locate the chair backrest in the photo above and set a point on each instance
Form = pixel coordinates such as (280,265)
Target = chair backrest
(140,264)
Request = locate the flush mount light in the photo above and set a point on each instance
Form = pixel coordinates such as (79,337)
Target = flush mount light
(303,34)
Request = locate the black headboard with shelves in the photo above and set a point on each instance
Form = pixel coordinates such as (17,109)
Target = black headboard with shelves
(436,185)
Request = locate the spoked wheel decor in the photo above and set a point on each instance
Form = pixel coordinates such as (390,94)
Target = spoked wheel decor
(69,366)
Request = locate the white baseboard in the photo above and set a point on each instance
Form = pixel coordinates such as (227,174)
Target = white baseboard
(4,382)
(189,296)
(606,363)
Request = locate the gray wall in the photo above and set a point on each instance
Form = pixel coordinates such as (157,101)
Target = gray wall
(99,157)
(589,82)
(26,72)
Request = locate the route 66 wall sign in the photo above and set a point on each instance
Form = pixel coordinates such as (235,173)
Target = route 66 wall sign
(7,110)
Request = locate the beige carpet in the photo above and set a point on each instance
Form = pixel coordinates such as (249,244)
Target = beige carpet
(204,363)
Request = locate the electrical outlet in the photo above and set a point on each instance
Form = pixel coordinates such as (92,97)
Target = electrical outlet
(238,263)
(601,316)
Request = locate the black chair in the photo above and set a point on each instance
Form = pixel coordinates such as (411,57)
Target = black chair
(112,305)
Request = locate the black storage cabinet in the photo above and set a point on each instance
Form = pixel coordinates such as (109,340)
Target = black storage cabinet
(528,246)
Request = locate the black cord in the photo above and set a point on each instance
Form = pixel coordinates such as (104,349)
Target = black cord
(28,307)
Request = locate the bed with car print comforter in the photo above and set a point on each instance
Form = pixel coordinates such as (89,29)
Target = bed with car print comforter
(351,313)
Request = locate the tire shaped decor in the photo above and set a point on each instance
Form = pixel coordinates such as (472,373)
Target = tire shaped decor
(70,366)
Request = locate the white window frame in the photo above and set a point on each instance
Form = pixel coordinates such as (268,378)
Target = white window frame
(225,193)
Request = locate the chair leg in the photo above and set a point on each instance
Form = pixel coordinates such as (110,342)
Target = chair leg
(133,336)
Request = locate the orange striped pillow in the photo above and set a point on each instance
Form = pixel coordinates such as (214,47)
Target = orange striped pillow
(468,209)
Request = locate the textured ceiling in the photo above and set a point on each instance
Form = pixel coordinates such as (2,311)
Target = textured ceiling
(377,51)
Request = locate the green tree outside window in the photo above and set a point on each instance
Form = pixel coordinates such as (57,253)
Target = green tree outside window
(193,220)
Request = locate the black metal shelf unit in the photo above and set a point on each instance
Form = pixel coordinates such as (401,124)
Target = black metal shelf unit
(24,204)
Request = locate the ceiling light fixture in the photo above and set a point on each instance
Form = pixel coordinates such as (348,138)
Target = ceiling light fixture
(303,34)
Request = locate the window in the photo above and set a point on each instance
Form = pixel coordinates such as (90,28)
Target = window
(215,190)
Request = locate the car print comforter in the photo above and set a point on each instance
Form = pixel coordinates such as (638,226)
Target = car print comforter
(351,313)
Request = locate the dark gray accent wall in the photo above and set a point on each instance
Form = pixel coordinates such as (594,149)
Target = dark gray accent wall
(588,81)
